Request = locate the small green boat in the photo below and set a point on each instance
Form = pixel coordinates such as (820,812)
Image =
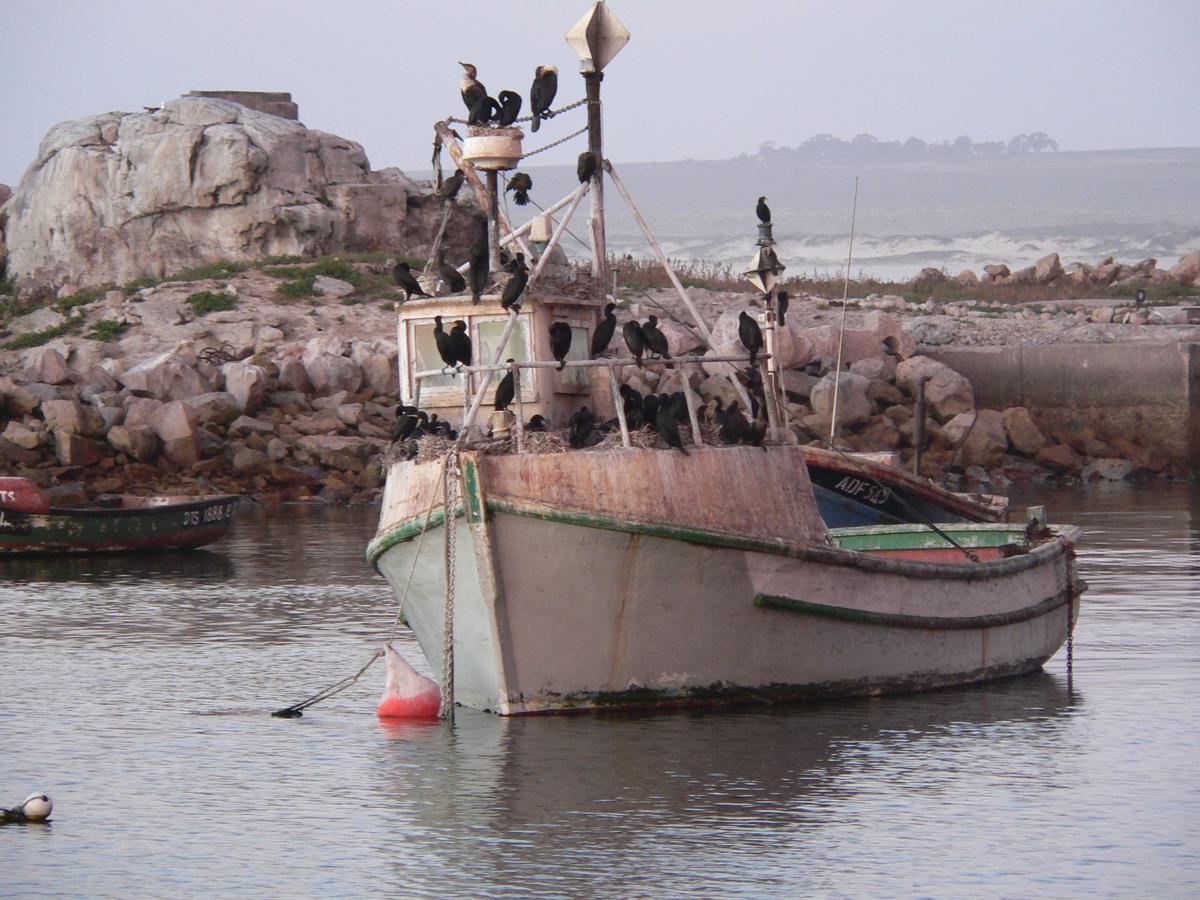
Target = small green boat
(30,525)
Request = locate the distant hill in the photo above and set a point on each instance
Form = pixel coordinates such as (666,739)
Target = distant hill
(927,211)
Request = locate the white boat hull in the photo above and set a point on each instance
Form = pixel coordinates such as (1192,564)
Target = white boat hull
(558,610)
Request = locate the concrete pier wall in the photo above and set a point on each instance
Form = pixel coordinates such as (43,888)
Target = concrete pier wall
(1146,392)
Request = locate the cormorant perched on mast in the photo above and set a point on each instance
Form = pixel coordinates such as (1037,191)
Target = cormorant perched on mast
(505,391)
(763,211)
(585,166)
(560,342)
(656,341)
(470,87)
(445,346)
(520,184)
(484,110)
(604,331)
(510,107)
(478,271)
(750,334)
(454,281)
(511,298)
(635,340)
(541,93)
(451,186)
(403,276)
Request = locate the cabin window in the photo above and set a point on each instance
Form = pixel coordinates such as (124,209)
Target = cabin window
(487,338)
(576,381)
(425,357)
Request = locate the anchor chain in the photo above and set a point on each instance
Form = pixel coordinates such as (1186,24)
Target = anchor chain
(553,113)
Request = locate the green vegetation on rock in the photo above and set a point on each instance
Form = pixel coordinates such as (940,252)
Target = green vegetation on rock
(37,338)
(205,302)
(107,330)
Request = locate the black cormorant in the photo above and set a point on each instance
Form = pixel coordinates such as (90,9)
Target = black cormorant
(470,87)
(445,346)
(604,331)
(781,306)
(668,427)
(454,281)
(581,424)
(541,93)
(656,341)
(504,393)
(451,186)
(408,418)
(635,340)
(537,423)
(510,107)
(560,342)
(460,342)
(750,334)
(403,276)
(478,272)
(585,166)
(520,184)
(650,411)
(763,211)
(511,298)
(485,109)
(734,427)
(632,401)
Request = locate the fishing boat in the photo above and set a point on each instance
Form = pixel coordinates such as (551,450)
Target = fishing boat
(112,523)
(542,579)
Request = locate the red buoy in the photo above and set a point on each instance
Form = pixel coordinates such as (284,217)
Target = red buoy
(407,694)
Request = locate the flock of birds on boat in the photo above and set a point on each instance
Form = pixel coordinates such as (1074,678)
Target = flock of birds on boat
(661,413)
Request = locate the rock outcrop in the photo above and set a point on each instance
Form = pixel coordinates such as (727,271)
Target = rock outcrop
(118,196)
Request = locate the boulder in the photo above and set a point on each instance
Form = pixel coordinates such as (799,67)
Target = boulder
(248,459)
(1188,268)
(17,399)
(929,277)
(946,392)
(38,320)
(967,278)
(979,437)
(1058,458)
(854,405)
(1027,275)
(1047,269)
(350,414)
(76,450)
(349,454)
(27,438)
(45,365)
(996,271)
(377,359)
(138,442)
(167,376)
(116,196)
(681,341)
(323,422)
(184,452)
(246,425)
(1103,315)
(72,417)
(172,421)
(879,368)
(330,372)
(140,411)
(293,377)
(219,407)
(891,336)
(247,383)
(1107,469)
(325,286)
(277,448)
(1023,434)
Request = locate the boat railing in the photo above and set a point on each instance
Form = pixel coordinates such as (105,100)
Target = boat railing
(610,363)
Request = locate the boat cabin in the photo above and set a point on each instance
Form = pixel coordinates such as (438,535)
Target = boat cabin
(544,390)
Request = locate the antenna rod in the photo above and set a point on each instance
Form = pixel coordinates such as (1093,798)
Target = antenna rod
(837,371)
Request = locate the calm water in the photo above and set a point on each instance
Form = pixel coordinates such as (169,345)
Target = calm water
(137,692)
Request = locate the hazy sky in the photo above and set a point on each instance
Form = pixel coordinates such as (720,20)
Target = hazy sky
(700,78)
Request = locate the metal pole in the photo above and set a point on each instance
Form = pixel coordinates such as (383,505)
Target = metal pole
(493,181)
(688,396)
(618,402)
(591,82)
(464,433)
(837,369)
(515,368)
(919,425)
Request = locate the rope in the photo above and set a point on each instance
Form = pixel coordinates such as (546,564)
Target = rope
(449,486)
(549,115)
(295,710)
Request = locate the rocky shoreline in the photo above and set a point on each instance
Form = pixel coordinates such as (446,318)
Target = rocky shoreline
(280,399)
